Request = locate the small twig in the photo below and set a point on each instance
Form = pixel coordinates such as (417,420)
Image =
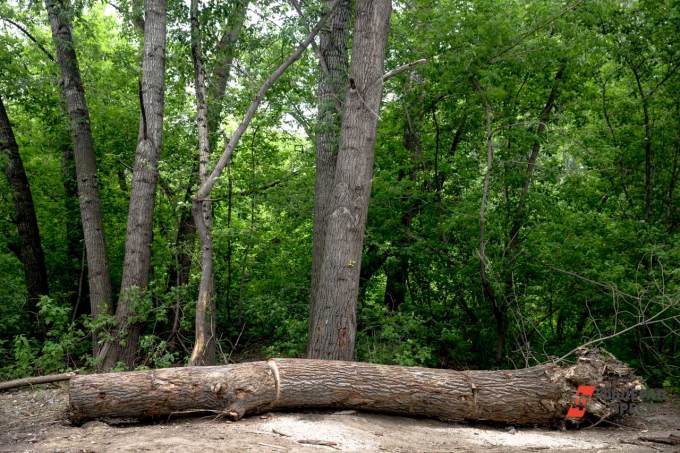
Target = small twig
(275,447)
(323,443)
(280,433)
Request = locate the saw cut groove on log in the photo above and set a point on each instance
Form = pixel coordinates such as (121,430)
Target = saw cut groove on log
(537,395)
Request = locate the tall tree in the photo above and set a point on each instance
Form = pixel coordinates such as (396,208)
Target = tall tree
(204,347)
(143,192)
(334,66)
(29,250)
(333,321)
(86,165)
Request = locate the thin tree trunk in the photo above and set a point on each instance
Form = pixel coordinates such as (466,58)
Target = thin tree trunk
(86,166)
(675,172)
(226,52)
(487,287)
(139,233)
(520,215)
(544,118)
(649,157)
(204,345)
(333,74)
(74,235)
(201,203)
(607,119)
(397,271)
(333,321)
(537,395)
(30,248)
(216,88)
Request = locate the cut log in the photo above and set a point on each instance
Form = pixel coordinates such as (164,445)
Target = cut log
(537,395)
(35,380)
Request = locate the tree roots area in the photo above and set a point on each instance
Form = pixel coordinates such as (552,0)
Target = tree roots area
(37,419)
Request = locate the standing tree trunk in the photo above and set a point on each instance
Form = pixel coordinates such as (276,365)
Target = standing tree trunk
(649,157)
(333,63)
(519,217)
(86,165)
(216,88)
(143,193)
(204,346)
(488,290)
(543,120)
(333,321)
(201,203)
(30,251)
(397,270)
(77,287)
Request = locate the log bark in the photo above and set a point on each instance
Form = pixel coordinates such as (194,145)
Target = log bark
(537,395)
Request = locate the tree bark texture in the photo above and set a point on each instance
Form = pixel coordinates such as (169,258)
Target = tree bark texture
(333,321)
(333,75)
(30,251)
(143,193)
(537,395)
(86,166)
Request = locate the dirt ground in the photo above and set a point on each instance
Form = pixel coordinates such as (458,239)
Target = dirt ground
(35,420)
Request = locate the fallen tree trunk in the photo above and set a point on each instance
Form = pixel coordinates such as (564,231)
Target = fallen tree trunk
(537,395)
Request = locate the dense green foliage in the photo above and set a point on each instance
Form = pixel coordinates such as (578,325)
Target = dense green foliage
(591,249)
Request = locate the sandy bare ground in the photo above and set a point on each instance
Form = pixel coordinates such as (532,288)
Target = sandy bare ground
(34,420)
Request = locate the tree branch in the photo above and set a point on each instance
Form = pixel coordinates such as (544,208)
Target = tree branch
(402,68)
(229,147)
(29,36)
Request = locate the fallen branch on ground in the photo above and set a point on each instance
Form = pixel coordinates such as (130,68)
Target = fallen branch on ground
(35,380)
(537,395)
(672,439)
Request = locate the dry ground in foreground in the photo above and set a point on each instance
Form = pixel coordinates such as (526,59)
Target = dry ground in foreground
(34,420)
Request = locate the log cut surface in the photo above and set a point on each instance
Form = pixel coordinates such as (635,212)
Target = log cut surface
(538,395)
